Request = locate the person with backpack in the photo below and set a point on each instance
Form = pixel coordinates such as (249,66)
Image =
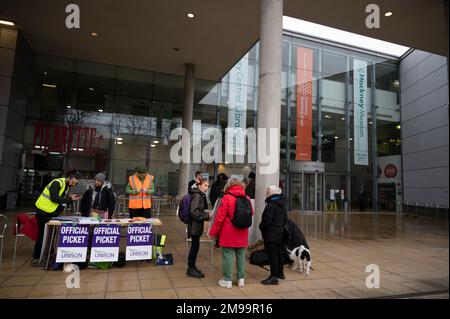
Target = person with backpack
(272,224)
(197,206)
(234,217)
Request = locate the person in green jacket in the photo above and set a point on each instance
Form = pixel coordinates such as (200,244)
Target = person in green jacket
(140,189)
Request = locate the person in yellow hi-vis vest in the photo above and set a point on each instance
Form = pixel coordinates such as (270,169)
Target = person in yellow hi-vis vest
(52,202)
(140,188)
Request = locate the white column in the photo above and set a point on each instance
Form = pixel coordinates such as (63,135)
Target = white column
(269,101)
(189,86)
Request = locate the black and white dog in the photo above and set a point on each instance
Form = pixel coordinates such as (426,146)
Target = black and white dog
(301,258)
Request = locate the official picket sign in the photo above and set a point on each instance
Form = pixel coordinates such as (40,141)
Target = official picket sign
(72,244)
(105,243)
(139,242)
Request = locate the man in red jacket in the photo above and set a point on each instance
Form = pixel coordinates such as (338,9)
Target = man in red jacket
(233,240)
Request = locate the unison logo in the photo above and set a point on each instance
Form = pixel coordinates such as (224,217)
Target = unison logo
(262,146)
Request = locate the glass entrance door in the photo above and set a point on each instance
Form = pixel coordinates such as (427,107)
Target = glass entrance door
(307,191)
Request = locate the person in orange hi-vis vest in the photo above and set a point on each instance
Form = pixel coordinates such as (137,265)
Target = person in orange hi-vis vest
(140,188)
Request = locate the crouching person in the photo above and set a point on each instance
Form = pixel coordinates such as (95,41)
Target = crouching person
(272,227)
(98,198)
(232,239)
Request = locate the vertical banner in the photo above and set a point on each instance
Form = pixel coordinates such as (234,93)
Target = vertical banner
(304,104)
(72,244)
(139,242)
(361,148)
(237,107)
(105,243)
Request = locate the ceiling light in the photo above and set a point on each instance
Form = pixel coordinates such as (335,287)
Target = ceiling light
(388,14)
(343,118)
(119,138)
(398,127)
(327,116)
(336,137)
(37,146)
(370,122)
(54,153)
(81,150)
(351,139)
(100,110)
(91,89)
(190,15)
(226,163)
(5,22)
(45,72)
(152,145)
(94,34)
(120,142)
(156,142)
(69,107)
(49,85)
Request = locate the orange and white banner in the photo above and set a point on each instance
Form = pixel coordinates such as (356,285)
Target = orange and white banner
(304,104)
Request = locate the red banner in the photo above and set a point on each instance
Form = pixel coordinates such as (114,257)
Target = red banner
(304,104)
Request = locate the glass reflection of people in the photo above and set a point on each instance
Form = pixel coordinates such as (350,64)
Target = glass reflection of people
(362,198)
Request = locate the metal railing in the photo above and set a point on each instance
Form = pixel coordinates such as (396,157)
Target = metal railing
(424,209)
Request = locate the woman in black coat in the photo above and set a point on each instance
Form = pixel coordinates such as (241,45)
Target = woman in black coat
(272,229)
(196,224)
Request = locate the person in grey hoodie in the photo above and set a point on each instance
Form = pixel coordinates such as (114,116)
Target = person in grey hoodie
(98,197)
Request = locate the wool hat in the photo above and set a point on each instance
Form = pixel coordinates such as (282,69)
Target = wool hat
(101,177)
(141,170)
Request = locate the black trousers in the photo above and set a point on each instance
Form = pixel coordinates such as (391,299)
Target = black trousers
(362,206)
(41,220)
(274,250)
(140,212)
(192,258)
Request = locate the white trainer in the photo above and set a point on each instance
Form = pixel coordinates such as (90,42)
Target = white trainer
(225,283)
(241,282)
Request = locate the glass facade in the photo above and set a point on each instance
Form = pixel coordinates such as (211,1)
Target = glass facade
(97,117)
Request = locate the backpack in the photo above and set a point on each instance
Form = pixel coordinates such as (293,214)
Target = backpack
(242,217)
(183,209)
(260,258)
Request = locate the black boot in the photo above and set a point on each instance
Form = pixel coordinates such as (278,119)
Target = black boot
(270,281)
(199,271)
(192,272)
(281,276)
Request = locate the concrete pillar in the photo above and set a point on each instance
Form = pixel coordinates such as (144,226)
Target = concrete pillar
(189,86)
(15,70)
(269,100)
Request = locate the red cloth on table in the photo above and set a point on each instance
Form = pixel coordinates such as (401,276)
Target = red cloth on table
(27,225)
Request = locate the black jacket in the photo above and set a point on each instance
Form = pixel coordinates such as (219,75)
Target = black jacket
(198,214)
(55,198)
(273,219)
(216,188)
(250,189)
(101,198)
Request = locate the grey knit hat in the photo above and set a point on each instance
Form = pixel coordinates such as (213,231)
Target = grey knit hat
(101,177)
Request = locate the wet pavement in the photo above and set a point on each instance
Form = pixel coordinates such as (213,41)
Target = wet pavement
(412,255)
